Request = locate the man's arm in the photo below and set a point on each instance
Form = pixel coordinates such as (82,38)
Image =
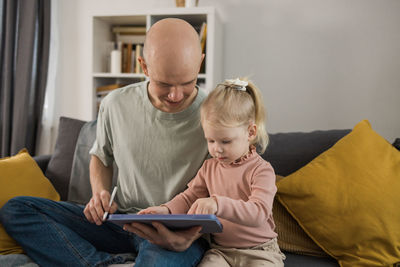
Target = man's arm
(100,180)
(162,236)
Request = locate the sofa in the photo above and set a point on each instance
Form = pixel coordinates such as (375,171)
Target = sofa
(67,170)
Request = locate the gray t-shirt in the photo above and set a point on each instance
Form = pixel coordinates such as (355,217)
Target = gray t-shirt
(157,153)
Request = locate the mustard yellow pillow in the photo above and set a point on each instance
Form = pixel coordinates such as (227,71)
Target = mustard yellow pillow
(21,176)
(347,199)
(291,237)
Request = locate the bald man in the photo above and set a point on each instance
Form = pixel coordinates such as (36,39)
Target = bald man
(152,132)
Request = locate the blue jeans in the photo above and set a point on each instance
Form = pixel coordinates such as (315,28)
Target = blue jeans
(58,234)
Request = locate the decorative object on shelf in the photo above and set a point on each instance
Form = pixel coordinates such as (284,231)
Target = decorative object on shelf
(115,59)
(191,3)
(180,3)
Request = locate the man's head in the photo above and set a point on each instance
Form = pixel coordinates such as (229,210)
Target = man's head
(171,59)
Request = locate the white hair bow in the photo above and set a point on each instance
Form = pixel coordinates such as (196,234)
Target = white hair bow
(237,84)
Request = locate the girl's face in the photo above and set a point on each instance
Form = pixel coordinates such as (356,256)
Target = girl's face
(228,144)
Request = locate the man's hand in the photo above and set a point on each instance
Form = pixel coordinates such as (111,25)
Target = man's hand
(204,206)
(163,237)
(97,205)
(155,210)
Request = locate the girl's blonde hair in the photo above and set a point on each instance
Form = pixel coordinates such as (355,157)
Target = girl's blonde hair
(229,107)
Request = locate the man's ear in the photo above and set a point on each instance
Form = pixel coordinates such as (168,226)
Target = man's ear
(252,130)
(144,65)
(201,61)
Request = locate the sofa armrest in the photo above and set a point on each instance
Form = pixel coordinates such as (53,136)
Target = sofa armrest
(42,161)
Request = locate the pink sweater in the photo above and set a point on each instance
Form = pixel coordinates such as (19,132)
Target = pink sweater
(244,192)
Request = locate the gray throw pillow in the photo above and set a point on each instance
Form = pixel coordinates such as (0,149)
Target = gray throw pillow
(80,190)
(59,168)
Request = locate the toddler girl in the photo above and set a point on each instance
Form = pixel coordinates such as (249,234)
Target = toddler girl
(236,184)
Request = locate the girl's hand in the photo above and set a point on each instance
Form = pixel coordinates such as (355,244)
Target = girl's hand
(204,206)
(155,210)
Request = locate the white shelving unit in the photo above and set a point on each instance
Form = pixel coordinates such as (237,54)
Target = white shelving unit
(102,35)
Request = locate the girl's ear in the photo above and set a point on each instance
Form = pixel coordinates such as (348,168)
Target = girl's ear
(252,130)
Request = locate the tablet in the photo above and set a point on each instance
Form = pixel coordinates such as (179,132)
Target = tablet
(209,222)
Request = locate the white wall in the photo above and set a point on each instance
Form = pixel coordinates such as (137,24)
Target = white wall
(320,64)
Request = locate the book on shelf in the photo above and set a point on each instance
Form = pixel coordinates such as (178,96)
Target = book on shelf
(108,88)
(124,56)
(104,90)
(130,34)
(128,38)
(139,30)
(203,36)
(133,60)
(138,67)
(203,41)
(129,57)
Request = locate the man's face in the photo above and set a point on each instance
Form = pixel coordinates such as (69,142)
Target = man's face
(171,89)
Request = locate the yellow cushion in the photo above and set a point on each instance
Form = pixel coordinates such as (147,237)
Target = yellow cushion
(347,199)
(21,176)
(291,237)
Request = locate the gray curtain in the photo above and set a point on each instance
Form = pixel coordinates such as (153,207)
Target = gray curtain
(24,53)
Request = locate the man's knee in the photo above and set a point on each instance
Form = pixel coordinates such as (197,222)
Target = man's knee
(12,210)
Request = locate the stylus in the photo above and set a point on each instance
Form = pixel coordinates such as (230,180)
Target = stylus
(111,201)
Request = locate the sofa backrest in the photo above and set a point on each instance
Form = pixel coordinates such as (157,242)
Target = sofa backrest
(59,168)
(288,152)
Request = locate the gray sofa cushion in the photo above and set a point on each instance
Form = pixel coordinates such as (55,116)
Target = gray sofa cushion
(79,186)
(288,152)
(80,190)
(42,161)
(59,168)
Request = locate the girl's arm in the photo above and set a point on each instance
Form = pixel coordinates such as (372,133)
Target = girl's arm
(197,188)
